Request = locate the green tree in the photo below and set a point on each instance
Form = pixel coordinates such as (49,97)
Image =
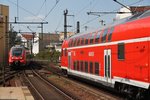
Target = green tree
(12,38)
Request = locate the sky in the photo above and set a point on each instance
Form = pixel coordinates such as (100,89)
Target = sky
(52,11)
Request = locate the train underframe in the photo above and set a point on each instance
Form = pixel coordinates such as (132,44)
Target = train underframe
(16,64)
(130,92)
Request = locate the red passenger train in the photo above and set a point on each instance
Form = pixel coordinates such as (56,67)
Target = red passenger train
(17,56)
(117,56)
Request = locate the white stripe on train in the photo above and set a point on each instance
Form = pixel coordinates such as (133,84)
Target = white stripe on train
(104,80)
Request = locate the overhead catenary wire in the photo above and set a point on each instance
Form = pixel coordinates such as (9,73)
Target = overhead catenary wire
(81,10)
(89,21)
(24,9)
(57,1)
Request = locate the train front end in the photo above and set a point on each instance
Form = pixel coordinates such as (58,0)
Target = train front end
(17,57)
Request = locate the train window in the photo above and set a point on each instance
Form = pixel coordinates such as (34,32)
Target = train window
(110,34)
(92,38)
(75,40)
(74,64)
(86,66)
(146,14)
(87,38)
(61,52)
(97,37)
(16,51)
(69,43)
(65,52)
(81,65)
(78,42)
(72,44)
(91,67)
(78,65)
(82,41)
(121,51)
(104,35)
(96,68)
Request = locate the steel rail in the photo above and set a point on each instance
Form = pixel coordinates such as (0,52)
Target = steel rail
(33,87)
(47,82)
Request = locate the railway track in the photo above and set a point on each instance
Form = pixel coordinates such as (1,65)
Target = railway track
(43,89)
(7,75)
(81,89)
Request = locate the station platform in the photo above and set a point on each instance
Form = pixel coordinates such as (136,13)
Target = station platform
(15,93)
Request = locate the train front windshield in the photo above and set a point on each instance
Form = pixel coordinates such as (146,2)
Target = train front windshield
(16,52)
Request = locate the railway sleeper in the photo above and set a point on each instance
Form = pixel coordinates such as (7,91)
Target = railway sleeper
(132,92)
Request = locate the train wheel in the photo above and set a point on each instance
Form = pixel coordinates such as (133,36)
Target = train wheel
(64,72)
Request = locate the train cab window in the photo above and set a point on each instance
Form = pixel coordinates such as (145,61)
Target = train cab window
(97,37)
(92,38)
(103,39)
(78,67)
(81,65)
(91,67)
(86,67)
(96,68)
(121,51)
(110,34)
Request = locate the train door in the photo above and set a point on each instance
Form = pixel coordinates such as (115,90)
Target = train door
(69,60)
(107,65)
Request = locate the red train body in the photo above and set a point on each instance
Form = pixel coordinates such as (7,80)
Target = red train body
(17,56)
(117,56)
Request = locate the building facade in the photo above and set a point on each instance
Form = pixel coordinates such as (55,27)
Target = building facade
(4,27)
(49,40)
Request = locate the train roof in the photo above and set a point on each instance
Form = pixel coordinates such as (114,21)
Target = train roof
(125,20)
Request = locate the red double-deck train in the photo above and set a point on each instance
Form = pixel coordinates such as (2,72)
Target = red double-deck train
(117,56)
(17,56)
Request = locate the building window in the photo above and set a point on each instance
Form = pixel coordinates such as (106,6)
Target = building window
(121,51)
(91,67)
(86,67)
(96,68)
(104,35)
(110,34)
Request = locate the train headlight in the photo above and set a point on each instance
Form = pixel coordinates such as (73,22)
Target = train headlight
(20,57)
(12,57)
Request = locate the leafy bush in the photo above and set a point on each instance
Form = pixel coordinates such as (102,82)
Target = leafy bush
(53,56)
